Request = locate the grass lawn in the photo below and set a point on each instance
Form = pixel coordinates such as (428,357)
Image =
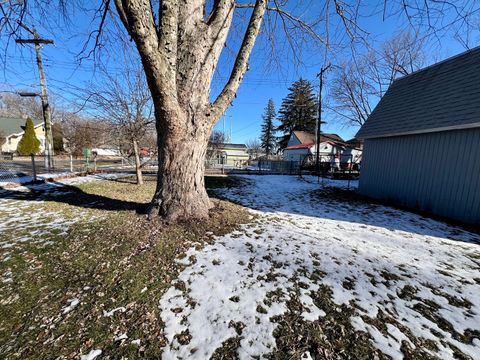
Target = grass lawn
(76,274)
(283,269)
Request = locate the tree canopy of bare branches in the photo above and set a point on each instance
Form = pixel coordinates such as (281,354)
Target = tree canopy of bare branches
(13,105)
(358,84)
(254,147)
(80,133)
(124,102)
(217,139)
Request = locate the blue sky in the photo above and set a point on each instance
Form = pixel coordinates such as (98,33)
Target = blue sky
(64,72)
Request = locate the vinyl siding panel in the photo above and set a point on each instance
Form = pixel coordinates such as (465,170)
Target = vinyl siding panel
(295,154)
(435,172)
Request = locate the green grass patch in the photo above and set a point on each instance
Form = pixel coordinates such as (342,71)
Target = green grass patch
(111,258)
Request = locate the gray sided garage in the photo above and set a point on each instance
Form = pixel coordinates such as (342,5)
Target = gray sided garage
(422,141)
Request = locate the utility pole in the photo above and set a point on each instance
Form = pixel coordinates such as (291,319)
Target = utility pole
(37,40)
(319,120)
(224,133)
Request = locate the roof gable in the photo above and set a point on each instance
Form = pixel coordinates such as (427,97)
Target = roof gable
(309,138)
(443,96)
(10,126)
(304,137)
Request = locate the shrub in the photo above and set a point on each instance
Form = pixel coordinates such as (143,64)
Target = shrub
(29,144)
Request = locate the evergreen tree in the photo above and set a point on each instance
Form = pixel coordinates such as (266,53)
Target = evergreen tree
(298,111)
(29,144)
(268,138)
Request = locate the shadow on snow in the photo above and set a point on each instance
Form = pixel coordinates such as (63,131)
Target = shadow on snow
(293,195)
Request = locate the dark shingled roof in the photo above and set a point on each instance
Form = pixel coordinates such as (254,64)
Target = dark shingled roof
(232,146)
(10,126)
(440,97)
(308,138)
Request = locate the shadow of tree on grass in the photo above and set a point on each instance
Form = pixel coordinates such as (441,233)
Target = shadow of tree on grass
(75,196)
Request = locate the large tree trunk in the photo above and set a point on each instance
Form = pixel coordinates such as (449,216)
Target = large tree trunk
(179,54)
(138,164)
(180,192)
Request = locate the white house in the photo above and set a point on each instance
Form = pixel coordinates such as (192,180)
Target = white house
(302,147)
(12,129)
(352,154)
(228,154)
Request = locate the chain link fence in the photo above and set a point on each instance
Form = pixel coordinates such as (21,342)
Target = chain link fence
(19,169)
(329,165)
(8,170)
(278,167)
(343,166)
(14,169)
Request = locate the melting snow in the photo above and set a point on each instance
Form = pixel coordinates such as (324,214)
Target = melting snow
(112,312)
(121,337)
(72,304)
(36,224)
(91,355)
(366,254)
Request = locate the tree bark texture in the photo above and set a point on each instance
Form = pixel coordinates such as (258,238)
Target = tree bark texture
(180,192)
(179,54)
(138,164)
(34,169)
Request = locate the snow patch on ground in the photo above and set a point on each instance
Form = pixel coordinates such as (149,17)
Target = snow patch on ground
(58,178)
(28,179)
(366,254)
(121,337)
(92,355)
(28,218)
(112,312)
(72,304)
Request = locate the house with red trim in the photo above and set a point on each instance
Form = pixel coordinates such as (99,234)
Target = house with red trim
(352,154)
(301,147)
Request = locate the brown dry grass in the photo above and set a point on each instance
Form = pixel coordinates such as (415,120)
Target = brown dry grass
(108,259)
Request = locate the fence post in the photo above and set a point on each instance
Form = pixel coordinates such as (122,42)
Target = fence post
(71,163)
(350,170)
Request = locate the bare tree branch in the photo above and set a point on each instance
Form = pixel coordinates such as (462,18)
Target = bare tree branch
(359,83)
(241,62)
